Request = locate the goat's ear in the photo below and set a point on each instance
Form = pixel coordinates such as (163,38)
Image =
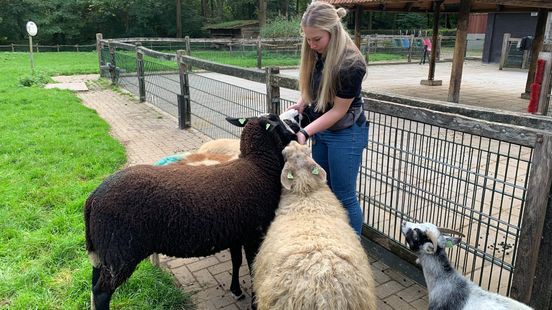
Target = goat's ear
(428,248)
(240,122)
(286,178)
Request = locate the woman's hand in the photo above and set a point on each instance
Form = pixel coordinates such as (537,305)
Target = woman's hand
(299,106)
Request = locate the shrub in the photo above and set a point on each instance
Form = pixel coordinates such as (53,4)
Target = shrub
(38,78)
(280,27)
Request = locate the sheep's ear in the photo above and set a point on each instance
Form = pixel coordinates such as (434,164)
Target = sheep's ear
(318,172)
(286,178)
(240,122)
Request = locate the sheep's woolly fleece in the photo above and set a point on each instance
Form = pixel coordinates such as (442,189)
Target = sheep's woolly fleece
(311,258)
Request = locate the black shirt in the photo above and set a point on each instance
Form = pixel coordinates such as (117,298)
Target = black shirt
(349,84)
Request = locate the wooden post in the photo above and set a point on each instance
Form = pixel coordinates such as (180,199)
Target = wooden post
(77,48)
(184,101)
(410,48)
(538,43)
(532,227)
(504,54)
(459,51)
(259,53)
(272,91)
(13,47)
(544,98)
(367,54)
(188,50)
(542,289)
(439,43)
(431,75)
(358,16)
(57,47)
(113,63)
(140,74)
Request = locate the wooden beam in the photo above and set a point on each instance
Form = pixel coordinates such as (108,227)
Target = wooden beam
(459,51)
(534,214)
(408,6)
(436,17)
(358,16)
(538,43)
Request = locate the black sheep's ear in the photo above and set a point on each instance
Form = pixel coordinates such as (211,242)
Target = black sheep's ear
(269,125)
(240,122)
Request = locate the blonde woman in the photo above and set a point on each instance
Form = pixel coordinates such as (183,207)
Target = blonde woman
(331,73)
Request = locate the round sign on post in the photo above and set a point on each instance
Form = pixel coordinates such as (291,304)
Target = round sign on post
(32,29)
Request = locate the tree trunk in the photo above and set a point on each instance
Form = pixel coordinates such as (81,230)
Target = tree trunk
(205,9)
(284,5)
(178,18)
(261,12)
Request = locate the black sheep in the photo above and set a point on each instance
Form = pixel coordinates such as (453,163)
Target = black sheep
(185,211)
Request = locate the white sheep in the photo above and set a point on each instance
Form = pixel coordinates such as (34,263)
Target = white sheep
(447,288)
(311,258)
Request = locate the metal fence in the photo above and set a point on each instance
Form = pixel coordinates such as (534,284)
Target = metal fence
(459,170)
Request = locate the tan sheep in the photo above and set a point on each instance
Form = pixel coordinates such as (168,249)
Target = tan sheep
(311,258)
(229,147)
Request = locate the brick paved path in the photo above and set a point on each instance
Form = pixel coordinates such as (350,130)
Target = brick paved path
(148,135)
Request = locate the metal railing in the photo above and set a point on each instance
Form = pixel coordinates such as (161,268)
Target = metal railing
(425,161)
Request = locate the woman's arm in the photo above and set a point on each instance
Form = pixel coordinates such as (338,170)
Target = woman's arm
(340,107)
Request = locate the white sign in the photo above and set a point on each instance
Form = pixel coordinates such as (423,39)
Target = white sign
(32,29)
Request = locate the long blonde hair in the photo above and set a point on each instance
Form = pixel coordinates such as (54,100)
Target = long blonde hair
(340,53)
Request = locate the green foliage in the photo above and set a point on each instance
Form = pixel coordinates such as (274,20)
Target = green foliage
(53,152)
(282,28)
(38,78)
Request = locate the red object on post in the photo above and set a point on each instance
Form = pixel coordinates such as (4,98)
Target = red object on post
(536,87)
(534,99)
(540,71)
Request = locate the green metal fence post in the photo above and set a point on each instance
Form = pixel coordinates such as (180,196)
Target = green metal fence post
(140,72)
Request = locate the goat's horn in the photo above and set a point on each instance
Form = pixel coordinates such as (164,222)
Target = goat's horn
(430,234)
(451,231)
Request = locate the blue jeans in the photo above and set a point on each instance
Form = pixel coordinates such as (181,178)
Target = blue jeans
(340,153)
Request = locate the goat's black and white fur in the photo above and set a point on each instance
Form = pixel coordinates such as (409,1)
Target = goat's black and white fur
(447,288)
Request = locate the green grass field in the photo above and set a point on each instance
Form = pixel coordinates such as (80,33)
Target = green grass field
(53,153)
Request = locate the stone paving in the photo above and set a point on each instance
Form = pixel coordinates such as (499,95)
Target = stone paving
(150,134)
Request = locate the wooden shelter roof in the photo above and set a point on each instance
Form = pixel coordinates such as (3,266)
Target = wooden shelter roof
(447,6)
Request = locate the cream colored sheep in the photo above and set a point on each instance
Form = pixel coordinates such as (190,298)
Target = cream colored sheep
(221,146)
(311,258)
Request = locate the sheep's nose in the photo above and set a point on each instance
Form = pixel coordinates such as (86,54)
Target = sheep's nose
(403,224)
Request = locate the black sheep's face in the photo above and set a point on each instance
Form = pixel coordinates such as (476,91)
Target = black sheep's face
(284,127)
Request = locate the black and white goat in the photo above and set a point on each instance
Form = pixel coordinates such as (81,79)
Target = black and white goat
(447,288)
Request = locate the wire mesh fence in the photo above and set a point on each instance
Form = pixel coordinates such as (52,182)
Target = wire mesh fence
(425,173)
(48,48)
(162,83)
(126,70)
(213,100)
